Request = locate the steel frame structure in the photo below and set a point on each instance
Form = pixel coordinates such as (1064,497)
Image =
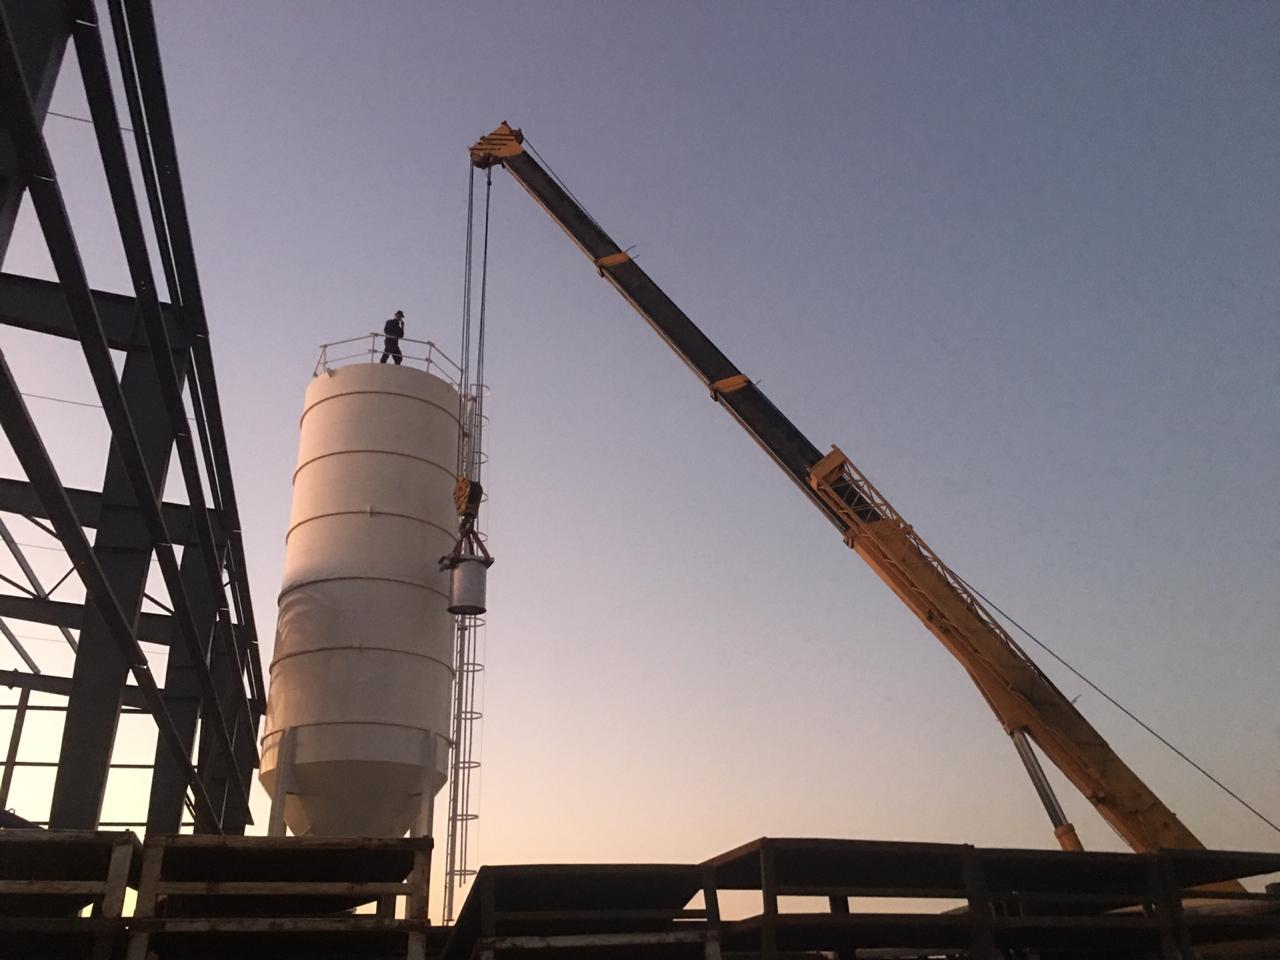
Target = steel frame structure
(208,711)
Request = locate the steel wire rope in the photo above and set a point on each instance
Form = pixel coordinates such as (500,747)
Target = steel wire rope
(73,403)
(80,403)
(71,116)
(460,630)
(464,375)
(470,461)
(1122,708)
(561,184)
(479,385)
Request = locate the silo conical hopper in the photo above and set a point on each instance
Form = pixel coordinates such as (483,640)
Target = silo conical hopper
(358,712)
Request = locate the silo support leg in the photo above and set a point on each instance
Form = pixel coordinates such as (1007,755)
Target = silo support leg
(284,782)
(415,907)
(423,826)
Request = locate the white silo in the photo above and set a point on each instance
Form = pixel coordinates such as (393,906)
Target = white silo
(358,714)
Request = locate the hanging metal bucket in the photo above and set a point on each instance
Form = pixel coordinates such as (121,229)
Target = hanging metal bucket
(467,580)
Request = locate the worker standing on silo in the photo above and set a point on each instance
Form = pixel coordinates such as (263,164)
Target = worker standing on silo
(392,331)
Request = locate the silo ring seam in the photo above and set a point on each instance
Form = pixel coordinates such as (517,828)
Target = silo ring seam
(368,513)
(407,583)
(276,731)
(315,650)
(376,393)
(385,393)
(391,453)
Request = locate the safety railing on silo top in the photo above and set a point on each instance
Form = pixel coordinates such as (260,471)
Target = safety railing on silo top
(371,347)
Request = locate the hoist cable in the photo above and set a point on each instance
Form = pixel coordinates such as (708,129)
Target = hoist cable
(464,376)
(1123,709)
(484,287)
(528,145)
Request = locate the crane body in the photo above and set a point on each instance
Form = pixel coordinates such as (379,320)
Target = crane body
(1027,703)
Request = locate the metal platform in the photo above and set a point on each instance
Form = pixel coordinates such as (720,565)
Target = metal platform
(251,897)
(279,896)
(943,900)
(561,909)
(63,894)
(48,879)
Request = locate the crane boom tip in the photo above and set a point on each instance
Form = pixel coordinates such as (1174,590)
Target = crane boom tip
(491,150)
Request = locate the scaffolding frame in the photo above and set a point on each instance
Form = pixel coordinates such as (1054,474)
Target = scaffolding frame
(208,712)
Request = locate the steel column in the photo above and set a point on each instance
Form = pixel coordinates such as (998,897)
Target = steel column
(182,696)
(214,770)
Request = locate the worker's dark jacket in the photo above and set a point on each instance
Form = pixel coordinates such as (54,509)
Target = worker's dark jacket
(393,329)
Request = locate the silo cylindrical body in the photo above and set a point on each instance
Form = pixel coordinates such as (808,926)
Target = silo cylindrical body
(362,673)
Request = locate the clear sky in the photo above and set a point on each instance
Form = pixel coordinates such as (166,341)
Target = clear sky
(1019,261)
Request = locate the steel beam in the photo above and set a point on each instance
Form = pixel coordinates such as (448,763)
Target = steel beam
(61,686)
(152,627)
(39,306)
(18,496)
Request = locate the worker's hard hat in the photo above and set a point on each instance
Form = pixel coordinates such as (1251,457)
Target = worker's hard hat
(399,313)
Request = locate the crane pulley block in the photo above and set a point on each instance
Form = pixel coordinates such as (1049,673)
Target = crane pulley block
(467,497)
(491,150)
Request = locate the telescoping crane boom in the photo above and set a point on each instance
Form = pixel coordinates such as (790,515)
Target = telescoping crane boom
(1027,703)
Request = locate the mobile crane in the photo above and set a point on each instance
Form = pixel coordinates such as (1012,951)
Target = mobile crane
(1025,701)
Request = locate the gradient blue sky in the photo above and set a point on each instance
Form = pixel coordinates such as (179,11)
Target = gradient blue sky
(1018,260)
